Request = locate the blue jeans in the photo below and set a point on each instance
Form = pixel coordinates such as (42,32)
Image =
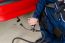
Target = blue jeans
(47,34)
(50,38)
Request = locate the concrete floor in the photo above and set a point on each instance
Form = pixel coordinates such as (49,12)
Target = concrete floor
(11,29)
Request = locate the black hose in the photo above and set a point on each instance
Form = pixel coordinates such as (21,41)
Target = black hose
(21,39)
(33,28)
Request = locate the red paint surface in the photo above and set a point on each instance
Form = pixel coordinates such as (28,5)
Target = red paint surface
(14,9)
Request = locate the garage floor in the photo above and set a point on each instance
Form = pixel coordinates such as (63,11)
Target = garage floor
(11,29)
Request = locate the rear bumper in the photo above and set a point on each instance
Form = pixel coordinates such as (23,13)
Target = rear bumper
(12,10)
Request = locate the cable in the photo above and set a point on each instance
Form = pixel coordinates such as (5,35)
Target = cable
(21,39)
(42,40)
(33,28)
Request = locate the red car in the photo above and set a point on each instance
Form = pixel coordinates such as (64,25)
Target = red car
(12,8)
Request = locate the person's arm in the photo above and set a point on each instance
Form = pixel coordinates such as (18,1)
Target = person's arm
(40,6)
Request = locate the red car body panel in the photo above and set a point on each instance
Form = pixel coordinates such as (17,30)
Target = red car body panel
(17,8)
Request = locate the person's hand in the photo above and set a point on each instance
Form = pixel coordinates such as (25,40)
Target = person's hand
(32,21)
